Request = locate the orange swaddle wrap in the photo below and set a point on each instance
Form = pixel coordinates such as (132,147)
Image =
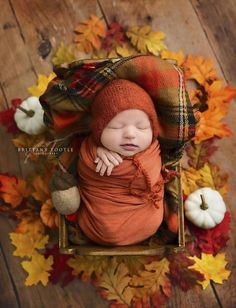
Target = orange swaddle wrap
(126,207)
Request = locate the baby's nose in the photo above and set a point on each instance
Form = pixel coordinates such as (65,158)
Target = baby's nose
(129,132)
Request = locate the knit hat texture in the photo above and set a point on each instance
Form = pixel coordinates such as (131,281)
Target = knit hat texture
(117,96)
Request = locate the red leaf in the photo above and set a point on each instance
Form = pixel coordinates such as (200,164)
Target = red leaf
(212,240)
(61,272)
(199,154)
(7,117)
(180,274)
(114,37)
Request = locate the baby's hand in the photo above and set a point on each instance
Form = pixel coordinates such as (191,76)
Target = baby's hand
(106,160)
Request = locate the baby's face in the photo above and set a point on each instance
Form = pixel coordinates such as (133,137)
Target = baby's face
(128,133)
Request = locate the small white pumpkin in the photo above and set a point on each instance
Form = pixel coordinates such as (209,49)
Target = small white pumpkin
(205,208)
(29,116)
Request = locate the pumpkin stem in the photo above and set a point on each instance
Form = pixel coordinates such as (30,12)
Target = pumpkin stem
(29,113)
(204,205)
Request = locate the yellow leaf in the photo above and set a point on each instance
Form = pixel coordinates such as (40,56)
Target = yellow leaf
(115,280)
(37,268)
(178,56)
(210,177)
(42,84)
(13,190)
(88,34)
(125,50)
(146,40)
(26,243)
(189,179)
(64,55)
(87,265)
(212,267)
(152,279)
(199,68)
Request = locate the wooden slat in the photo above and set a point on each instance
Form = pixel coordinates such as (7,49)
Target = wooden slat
(8,297)
(53,21)
(218,19)
(76,294)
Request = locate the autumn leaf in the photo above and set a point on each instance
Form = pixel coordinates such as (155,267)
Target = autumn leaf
(38,269)
(126,50)
(7,117)
(189,178)
(210,126)
(26,243)
(180,274)
(134,264)
(13,190)
(210,176)
(41,188)
(199,68)
(42,84)
(152,279)
(115,36)
(219,95)
(213,268)
(87,265)
(30,221)
(49,214)
(61,272)
(212,240)
(64,55)
(89,33)
(178,56)
(29,145)
(146,40)
(115,280)
(200,153)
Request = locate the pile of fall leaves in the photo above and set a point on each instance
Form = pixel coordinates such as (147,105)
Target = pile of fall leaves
(124,281)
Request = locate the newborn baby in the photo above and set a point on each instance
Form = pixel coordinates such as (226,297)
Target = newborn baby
(119,167)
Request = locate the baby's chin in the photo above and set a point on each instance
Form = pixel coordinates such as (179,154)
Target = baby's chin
(126,153)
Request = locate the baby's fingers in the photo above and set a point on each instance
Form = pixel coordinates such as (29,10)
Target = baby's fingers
(109,169)
(99,165)
(103,169)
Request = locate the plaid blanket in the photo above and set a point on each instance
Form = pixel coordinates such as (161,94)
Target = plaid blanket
(68,98)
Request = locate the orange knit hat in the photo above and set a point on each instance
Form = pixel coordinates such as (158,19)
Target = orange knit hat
(117,96)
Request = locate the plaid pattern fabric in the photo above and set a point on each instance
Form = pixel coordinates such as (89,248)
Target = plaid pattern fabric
(69,96)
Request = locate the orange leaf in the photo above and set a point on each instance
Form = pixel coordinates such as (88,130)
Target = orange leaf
(219,95)
(30,221)
(210,126)
(33,225)
(88,34)
(40,185)
(49,215)
(13,190)
(200,69)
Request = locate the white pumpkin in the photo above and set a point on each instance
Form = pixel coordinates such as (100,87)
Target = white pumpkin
(205,208)
(29,116)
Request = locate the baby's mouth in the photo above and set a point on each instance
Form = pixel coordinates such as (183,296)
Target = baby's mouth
(129,146)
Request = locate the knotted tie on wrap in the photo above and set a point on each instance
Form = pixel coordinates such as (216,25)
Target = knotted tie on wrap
(126,207)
